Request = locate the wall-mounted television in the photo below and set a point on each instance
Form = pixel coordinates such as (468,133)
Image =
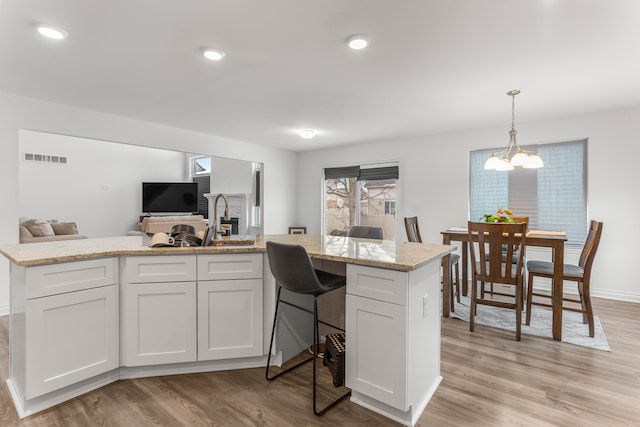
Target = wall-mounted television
(165,197)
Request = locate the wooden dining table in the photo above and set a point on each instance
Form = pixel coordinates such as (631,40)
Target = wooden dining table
(552,240)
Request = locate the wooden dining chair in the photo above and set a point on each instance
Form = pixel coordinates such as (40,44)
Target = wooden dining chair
(581,274)
(412,228)
(488,264)
(517,219)
(413,235)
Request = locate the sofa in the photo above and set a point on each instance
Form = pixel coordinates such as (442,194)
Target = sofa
(40,230)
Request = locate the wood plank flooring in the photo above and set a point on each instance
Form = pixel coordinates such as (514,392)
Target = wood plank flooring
(489,380)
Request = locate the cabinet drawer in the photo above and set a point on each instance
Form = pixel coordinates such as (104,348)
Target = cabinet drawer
(160,268)
(377,283)
(229,266)
(53,279)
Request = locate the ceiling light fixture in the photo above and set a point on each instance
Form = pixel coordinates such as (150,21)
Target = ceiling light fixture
(501,160)
(51,31)
(307,133)
(213,54)
(357,41)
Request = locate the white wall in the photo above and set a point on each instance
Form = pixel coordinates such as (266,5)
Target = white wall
(24,113)
(434,183)
(100,186)
(231,176)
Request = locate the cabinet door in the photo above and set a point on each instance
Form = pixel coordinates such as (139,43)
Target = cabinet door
(229,319)
(159,323)
(376,350)
(70,337)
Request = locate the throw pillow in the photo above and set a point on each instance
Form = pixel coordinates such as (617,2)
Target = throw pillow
(24,233)
(39,228)
(65,228)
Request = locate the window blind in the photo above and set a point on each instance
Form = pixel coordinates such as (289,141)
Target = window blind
(362,174)
(554,197)
(370,174)
(343,172)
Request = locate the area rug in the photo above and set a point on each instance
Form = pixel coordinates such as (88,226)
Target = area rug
(573,330)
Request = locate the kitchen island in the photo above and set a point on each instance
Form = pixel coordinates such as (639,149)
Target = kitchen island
(87,313)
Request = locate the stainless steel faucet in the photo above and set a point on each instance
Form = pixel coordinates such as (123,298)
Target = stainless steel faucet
(216,232)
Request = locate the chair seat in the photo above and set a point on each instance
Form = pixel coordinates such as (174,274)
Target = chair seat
(546,268)
(329,282)
(455,258)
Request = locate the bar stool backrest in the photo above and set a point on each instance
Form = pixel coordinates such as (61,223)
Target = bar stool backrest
(292,268)
(366,232)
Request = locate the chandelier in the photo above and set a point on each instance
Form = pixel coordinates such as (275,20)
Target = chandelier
(502,160)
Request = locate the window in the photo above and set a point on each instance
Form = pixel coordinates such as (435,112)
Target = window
(358,195)
(201,166)
(553,197)
(389,207)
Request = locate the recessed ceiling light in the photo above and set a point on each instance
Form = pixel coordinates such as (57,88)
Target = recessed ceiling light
(213,54)
(357,41)
(307,133)
(51,31)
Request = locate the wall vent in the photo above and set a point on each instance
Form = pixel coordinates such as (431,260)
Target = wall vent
(45,158)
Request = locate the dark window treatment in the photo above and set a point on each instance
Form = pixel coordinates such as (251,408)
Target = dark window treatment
(204,184)
(363,174)
(344,172)
(390,172)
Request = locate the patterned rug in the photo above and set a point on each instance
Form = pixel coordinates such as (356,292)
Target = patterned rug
(573,330)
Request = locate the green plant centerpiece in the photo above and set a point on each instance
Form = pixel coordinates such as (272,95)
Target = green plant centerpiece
(501,215)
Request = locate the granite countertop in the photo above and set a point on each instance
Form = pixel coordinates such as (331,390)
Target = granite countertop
(403,256)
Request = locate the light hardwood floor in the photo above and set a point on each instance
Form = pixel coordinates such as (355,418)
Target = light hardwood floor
(489,380)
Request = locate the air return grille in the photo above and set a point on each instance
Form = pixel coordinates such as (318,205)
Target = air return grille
(45,158)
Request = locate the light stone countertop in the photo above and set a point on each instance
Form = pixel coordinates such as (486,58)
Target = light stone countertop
(388,254)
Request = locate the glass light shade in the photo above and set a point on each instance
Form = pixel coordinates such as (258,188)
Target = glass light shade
(492,163)
(213,55)
(533,162)
(51,32)
(357,41)
(307,133)
(504,165)
(520,159)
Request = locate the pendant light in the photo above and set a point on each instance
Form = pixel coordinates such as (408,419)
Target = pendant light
(502,160)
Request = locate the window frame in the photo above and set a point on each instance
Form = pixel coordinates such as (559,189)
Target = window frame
(372,172)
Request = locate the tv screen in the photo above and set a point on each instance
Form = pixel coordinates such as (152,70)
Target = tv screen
(165,197)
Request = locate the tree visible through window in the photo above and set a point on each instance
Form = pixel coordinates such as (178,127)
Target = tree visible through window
(355,196)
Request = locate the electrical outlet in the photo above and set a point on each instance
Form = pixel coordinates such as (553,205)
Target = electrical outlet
(425,304)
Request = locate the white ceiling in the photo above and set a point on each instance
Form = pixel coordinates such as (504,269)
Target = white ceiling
(432,66)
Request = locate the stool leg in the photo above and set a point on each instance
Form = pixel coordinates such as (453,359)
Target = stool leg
(316,345)
(529,298)
(273,332)
(457,282)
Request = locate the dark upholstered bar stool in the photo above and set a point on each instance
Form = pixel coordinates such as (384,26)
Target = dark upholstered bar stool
(293,270)
(366,232)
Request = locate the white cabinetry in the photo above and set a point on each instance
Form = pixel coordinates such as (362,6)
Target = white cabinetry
(70,324)
(393,339)
(159,309)
(229,306)
(183,308)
